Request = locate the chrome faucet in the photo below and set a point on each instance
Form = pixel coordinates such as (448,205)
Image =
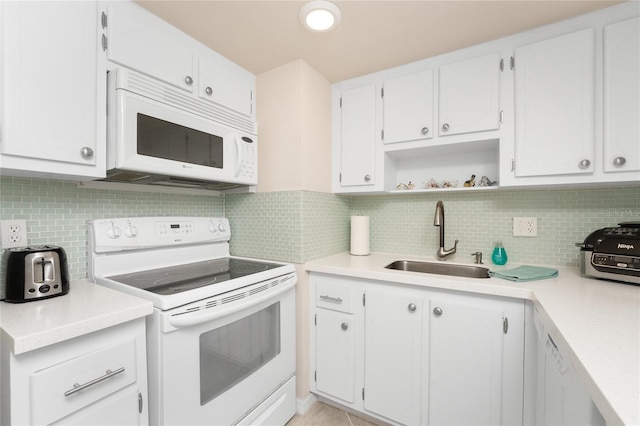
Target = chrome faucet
(438,220)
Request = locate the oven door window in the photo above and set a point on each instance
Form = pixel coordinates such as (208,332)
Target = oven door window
(233,352)
(162,139)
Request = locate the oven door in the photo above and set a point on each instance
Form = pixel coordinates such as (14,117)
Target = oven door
(216,372)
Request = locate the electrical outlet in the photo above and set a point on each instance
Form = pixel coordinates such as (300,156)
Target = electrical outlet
(525,227)
(14,233)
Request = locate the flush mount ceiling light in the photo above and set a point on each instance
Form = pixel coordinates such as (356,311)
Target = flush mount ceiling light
(320,15)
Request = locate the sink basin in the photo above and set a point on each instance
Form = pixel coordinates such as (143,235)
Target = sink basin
(468,271)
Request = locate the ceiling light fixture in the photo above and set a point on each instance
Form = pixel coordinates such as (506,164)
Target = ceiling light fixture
(320,15)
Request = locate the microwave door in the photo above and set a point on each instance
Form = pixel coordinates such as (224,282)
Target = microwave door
(153,137)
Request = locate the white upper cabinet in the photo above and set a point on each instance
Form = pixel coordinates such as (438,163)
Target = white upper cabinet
(469,99)
(357,148)
(622,96)
(554,106)
(141,41)
(53,90)
(408,108)
(224,85)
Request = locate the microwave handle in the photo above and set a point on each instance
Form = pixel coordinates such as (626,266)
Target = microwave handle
(236,138)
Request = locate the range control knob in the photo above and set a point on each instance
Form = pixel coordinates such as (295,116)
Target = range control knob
(222,227)
(113,231)
(131,231)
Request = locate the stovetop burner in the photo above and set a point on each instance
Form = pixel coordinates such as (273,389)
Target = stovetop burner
(177,279)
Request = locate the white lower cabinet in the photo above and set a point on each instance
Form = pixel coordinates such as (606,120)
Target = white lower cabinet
(335,354)
(99,378)
(393,349)
(475,360)
(422,355)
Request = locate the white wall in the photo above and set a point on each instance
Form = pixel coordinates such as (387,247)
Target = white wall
(294,129)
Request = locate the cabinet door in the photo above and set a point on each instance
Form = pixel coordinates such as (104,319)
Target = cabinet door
(335,354)
(121,408)
(141,41)
(408,108)
(54,98)
(622,96)
(224,84)
(472,377)
(358,115)
(393,350)
(554,106)
(469,99)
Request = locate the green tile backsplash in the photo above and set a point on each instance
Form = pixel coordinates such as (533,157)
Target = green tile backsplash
(57,211)
(297,226)
(292,226)
(404,223)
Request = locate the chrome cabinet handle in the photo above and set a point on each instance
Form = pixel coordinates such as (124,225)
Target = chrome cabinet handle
(425,130)
(619,161)
(437,311)
(188,80)
(584,164)
(328,298)
(86,152)
(367,178)
(412,307)
(344,326)
(445,127)
(108,374)
(208,91)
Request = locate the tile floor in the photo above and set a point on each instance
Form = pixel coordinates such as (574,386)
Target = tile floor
(321,414)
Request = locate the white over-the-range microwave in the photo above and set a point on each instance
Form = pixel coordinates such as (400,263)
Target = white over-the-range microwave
(161,135)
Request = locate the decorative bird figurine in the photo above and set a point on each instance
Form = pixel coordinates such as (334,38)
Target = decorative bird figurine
(471,182)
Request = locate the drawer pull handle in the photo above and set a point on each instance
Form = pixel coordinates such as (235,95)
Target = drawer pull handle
(331,299)
(77,387)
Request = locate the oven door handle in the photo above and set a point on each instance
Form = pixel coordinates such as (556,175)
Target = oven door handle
(210,314)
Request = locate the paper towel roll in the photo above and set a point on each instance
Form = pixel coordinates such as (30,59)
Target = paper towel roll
(360,235)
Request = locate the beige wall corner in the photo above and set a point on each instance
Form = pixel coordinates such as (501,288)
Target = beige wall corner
(294,129)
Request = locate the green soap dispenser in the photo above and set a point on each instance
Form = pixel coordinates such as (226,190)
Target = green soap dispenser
(499,255)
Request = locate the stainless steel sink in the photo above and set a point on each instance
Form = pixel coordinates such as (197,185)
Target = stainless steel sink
(468,271)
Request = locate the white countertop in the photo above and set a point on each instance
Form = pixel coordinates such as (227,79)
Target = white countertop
(598,321)
(86,308)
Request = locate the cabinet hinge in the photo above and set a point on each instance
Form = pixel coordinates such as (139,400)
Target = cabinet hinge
(104,42)
(364,299)
(501,116)
(501,64)
(103,20)
(382,92)
(140,402)
(382,134)
(340,177)
(505,325)
(513,164)
(340,101)
(315,375)
(512,62)
(363,394)
(315,319)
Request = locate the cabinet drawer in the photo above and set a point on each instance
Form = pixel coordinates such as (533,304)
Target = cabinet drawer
(67,387)
(335,295)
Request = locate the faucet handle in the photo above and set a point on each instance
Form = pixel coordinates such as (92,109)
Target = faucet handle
(478,256)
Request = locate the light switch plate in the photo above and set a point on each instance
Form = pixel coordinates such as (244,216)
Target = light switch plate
(525,226)
(14,233)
